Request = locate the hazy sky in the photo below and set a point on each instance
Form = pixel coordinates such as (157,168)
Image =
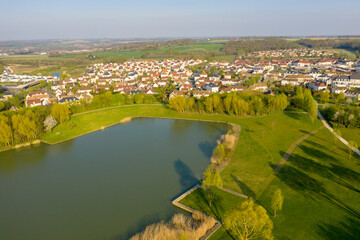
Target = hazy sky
(53,19)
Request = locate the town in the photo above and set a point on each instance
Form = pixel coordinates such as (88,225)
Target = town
(196,78)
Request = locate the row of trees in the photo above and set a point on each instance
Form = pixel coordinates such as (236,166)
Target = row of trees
(27,125)
(239,104)
(248,46)
(347,44)
(342,116)
(108,99)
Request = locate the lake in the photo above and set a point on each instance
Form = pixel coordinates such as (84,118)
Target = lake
(105,185)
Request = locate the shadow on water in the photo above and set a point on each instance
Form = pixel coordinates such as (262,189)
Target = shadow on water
(12,160)
(310,187)
(207,148)
(187,177)
(181,126)
(346,229)
(67,145)
(244,188)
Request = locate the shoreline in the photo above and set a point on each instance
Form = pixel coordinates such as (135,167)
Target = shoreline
(128,119)
(124,120)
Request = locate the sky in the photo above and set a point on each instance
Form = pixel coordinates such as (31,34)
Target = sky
(84,19)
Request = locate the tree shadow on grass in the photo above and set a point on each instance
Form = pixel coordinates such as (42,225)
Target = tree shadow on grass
(312,143)
(310,187)
(331,173)
(346,173)
(305,132)
(244,188)
(296,116)
(342,230)
(187,177)
(203,203)
(317,153)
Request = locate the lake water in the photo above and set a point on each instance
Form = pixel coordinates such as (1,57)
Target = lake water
(105,185)
(56,74)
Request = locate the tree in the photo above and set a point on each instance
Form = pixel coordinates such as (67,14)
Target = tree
(277,201)
(6,135)
(227,103)
(217,103)
(348,101)
(325,96)
(139,98)
(249,221)
(219,154)
(60,112)
(178,103)
(209,104)
(211,181)
(2,105)
(63,76)
(341,97)
(299,98)
(190,103)
(49,123)
(24,127)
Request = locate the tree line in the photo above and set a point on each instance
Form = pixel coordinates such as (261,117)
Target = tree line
(347,44)
(108,99)
(239,104)
(342,116)
(247,46)
(29,124)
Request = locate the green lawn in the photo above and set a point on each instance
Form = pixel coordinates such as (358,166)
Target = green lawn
(351,134)
(321,188)
(223,201)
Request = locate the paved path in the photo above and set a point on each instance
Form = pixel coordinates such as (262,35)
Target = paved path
(333,132)
(233,192)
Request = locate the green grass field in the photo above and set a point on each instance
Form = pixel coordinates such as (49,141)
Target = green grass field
(74,64)
(351,134)
(321,186)
(200,47)
(25,57)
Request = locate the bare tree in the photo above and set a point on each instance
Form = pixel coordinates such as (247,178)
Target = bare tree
(49,123)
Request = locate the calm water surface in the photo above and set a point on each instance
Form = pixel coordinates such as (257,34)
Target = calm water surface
(105,185)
